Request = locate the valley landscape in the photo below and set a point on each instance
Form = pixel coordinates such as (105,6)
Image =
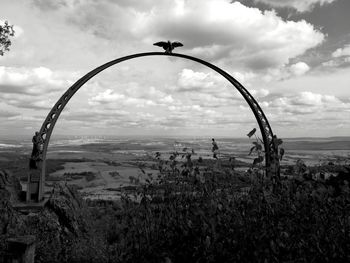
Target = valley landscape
(115,199)
(99,166)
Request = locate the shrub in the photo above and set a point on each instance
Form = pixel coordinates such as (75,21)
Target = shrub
(185,218)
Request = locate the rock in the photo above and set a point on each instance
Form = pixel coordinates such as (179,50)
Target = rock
(8,188)
(71,210)
(9,191)
(61,222)
(9,185)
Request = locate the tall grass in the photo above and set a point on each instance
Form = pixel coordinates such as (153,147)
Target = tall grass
(188,217)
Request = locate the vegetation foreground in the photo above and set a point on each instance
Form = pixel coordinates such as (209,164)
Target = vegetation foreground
(207,218)
(196,213)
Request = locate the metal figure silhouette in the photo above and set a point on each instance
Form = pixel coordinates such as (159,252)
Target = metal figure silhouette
(215,148)
(168,46)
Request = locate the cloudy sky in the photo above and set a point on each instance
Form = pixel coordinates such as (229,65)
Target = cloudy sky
(292,55)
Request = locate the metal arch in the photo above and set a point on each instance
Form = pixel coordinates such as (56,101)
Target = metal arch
(50,121)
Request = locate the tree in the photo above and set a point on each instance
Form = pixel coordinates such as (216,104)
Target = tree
(6,32)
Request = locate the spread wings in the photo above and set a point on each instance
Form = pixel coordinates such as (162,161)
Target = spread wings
(161,44)
(177,44)
(166,44)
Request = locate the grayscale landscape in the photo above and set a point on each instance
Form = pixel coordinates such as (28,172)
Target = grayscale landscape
(174,131)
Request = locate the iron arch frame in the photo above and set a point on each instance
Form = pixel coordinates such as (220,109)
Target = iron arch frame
(51,119)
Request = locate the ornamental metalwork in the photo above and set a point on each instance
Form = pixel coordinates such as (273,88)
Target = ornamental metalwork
(42,138)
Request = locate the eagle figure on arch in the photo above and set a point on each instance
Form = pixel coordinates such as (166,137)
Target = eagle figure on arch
(168,46)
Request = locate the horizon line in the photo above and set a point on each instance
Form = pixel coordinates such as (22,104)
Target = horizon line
(59,136)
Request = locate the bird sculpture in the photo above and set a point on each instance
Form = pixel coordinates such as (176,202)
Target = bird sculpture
(168,46)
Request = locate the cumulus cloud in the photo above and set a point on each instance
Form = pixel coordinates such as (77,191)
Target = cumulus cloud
(299,68)
(32,88)
(340,58)
(282,73)
(211,88)
(131,98)
(261,93)
(151,93)
(206,89)
(204,82)
(109,96)
(345,51)
(307,98)
(299,5)
(309,103)
(31,81)
(164,110)
(314,113)
(200,116)
(178,116)
(256,47)
(213,29)
(24,101)
(190,80)
(337,62)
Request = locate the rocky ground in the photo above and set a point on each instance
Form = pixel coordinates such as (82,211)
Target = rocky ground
(61,221)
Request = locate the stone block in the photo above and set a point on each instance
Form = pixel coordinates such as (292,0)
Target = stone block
(20,249)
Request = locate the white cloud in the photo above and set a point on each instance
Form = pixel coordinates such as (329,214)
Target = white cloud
(18,31)
(25,101)
(137,91)
(32,88)
(213,29)
(205,82)
(114,99)
(299,68)
(340,57)
(244,77)
(308,114)
(274,75)
(185,108)
(259,93)
(108,96)
(190,80)
(300,5)
(209,89)
(118,100)
(208,100)
(307,102)
(307,98)
(31,81)
(331,63)
(206,87)
(258,48)
(342,52)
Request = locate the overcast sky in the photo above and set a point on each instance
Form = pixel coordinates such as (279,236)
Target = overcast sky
(292,55)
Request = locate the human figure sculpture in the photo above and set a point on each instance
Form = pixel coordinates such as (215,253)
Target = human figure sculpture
(215,148)
(35,156)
